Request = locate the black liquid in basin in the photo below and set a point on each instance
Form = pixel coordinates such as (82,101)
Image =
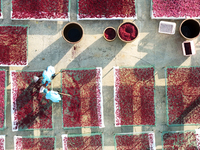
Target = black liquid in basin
(190,28)
(73,32)
(188,49)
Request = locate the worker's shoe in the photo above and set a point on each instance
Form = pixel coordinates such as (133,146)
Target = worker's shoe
(41,89)
(35,78)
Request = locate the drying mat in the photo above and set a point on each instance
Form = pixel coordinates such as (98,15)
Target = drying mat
(1,9)
(136,141)
(34,143)
(29,108)
(183,95)
(3,98)
(171,9)
(134,102)
(2,142)
(53,10)
(13,45)
(93,141)
(84,108)
(183,140)
(106,9)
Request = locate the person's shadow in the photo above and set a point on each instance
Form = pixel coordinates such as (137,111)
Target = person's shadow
(33,111)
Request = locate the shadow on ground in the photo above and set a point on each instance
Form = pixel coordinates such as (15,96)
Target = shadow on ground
(49,56)
(94,56)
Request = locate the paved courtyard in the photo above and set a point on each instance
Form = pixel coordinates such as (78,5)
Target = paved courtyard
(47,47)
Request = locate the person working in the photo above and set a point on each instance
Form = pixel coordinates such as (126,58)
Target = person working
(52,95)
(47,75)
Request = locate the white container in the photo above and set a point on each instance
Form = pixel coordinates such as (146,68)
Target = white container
(167,27)
(188,48)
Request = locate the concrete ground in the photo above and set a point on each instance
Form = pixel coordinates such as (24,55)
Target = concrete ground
(47,47)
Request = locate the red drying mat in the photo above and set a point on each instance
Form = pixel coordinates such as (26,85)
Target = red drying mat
(177,8)
(134,96)
(29,108)
(13,45)
(85,107)
(1,14)
(106,9)
(136,141)
(34,143)
(183,92)
(186,140)
(85,141)
(2,142)
(40,9)
(2,97)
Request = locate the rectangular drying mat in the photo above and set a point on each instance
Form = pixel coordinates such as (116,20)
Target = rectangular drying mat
(2,142)
(109,10)
(168,9)
(82,141)
(182,95)
(29,108)
(3,98)
(181,140)
(13,45)
(84,108)
(34,142)
(136,141)
(134,101)
(1,9)
(54,10)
